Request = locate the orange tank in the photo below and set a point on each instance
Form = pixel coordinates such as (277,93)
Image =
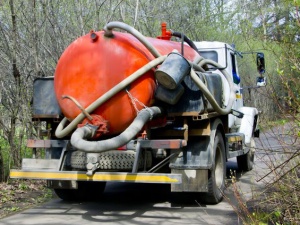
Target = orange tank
(92,65)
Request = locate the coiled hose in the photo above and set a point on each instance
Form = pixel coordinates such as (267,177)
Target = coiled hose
(77,139)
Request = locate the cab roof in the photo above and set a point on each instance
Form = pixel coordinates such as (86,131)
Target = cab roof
(213,45)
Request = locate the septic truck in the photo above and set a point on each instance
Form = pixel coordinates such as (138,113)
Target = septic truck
(122,107)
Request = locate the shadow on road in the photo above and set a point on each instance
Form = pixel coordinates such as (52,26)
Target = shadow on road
(129,203)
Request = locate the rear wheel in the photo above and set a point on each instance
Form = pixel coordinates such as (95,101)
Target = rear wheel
(246,162)
(87,191)
(216,176)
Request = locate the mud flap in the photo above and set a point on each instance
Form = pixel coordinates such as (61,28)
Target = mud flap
(194,156)
(195,161)
(192,181)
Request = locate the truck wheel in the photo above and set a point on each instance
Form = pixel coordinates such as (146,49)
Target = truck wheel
(87,191)
(216,176)
(245,162)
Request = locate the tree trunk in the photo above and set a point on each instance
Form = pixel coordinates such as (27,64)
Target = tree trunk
(15,151)
(2,171)
(16,72)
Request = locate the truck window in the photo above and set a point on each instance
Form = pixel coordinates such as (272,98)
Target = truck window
(236,78)
(213,55)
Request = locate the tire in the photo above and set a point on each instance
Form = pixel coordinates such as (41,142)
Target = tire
(245,162)
(216,176)
(87,191)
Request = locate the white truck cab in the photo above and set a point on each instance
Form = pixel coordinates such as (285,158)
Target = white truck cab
(225,55)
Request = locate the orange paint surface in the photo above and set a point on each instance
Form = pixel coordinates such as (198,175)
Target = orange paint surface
(87,69)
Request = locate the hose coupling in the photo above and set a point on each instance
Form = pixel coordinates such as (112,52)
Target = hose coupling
(92,130)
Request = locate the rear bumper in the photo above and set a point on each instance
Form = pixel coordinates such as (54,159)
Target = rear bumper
(98,176)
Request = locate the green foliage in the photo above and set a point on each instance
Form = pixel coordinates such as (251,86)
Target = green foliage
(23,186)
(6,196)
(264,218)
(6,153)
(12,209)
(47,194)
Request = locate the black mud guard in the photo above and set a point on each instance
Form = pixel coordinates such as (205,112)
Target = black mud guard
(198,153)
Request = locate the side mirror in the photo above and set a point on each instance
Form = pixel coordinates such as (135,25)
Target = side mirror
(261,81)
(260,62)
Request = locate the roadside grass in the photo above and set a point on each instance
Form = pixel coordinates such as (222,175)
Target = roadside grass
(278,205)
(18,195)
(278,201)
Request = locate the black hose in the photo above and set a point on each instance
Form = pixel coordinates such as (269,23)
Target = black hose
(186,39)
